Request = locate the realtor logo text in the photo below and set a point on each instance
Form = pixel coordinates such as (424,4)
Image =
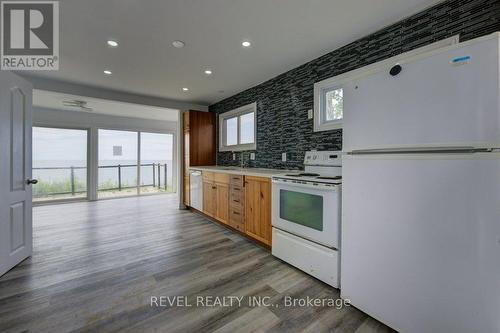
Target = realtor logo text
(251,301)
(30,35)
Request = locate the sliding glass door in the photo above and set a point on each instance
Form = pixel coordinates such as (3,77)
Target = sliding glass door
(128,163)
(156,162)
(59,163)
(118,161)
(122,161)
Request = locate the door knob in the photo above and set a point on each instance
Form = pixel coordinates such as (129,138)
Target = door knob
(31,181)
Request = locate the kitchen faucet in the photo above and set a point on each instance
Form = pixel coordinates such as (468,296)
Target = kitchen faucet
(242,160)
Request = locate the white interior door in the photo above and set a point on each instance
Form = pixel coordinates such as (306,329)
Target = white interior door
(15,170)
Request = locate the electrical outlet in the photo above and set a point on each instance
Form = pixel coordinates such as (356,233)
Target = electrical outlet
(310,114)
(234,157)
(283,157)
(252,156)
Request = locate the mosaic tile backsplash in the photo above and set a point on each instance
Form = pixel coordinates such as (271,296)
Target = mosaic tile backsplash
(283,102)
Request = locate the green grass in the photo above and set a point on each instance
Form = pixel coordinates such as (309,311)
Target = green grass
(44,188)
(47,188)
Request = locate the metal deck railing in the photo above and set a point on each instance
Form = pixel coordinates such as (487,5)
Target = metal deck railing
(156,177)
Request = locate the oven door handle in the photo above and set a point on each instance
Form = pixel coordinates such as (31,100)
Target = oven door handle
(321,187)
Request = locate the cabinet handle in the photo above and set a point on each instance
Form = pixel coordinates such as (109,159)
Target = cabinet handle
(236,201)
(236,189)
(214,187)
(236,213)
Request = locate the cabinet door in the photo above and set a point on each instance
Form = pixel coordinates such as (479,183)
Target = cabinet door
(185,162)
(258,208)
(209,198)
(186,192)
(202,138)
(222,203)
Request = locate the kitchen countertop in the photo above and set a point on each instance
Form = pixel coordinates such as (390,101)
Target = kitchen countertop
(258,172)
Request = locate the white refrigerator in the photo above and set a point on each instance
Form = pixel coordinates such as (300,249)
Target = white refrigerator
(421,192)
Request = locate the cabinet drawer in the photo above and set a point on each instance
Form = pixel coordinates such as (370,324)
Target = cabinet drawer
(236,219)
(236,180)
(237,198)
(208,176)
(236,215)
(237,189)
(222,178)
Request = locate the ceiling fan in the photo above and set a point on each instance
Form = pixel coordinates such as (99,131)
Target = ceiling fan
(82,105)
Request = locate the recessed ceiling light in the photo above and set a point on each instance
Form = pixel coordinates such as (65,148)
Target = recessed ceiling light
(208,71)
(185,89)
(178,44)
(246,43)
(112,43)
(108,72)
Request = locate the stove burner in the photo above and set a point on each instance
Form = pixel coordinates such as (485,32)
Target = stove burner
(332,178)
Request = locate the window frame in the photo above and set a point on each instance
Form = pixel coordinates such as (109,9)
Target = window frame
(89,184)
(238,112)
(323,124)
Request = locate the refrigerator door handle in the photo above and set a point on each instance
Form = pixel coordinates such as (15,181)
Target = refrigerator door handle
(421,150)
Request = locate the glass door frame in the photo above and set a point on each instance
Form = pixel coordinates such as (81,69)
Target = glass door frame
(88,164)
(174,161)
(138,141)
(95,179)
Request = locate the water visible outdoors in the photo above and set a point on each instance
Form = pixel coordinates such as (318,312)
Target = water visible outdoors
(60,163)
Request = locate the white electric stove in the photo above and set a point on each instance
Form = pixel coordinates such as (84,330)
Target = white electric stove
(306,213)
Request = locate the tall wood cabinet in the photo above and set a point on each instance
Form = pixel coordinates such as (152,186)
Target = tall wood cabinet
(198,144)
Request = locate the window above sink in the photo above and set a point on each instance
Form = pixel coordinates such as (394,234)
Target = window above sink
(238,129)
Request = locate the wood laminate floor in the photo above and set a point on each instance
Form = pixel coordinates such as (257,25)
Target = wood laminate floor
(96,266)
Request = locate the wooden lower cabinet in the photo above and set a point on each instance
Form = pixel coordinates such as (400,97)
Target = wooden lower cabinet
(186,192)
(243,203)
(258,208)
(216,196)
(222,203)
(209,198)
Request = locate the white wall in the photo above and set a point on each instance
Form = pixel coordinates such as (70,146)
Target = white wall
(61,118)
(109,94)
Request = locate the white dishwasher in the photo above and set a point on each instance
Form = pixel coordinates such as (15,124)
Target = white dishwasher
(196,189)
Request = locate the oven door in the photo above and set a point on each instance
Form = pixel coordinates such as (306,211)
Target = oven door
(306,210)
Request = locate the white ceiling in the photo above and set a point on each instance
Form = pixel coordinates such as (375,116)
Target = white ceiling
(54,100)
(284,34)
